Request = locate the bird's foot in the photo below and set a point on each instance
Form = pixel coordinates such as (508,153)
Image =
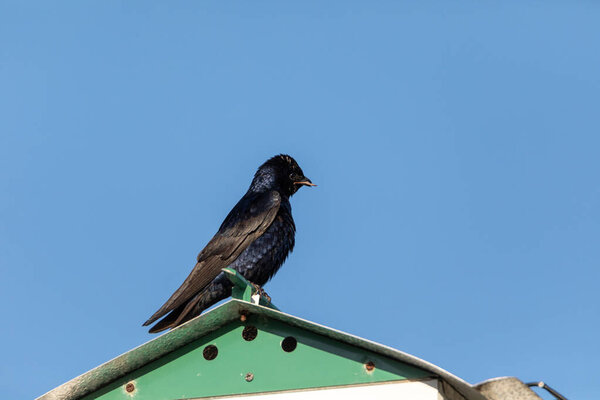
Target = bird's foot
(259,290)
(265,295)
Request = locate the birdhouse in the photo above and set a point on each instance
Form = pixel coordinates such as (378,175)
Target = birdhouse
(247,349)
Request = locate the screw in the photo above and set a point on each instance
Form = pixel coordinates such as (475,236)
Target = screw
(249,377)
(243,315)
(370,366)
(130,387)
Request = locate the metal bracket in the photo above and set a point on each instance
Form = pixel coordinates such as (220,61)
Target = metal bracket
(543,385)
(246,291)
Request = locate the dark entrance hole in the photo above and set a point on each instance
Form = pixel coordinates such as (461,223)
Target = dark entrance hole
(249,333)
(289,344)
(210,352)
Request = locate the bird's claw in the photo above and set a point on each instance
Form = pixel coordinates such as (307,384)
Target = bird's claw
(260,291)
(265,295)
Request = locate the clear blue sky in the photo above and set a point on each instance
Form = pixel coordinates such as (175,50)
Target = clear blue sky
(456,148)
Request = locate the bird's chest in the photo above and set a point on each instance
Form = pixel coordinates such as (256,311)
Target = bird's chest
(259,262)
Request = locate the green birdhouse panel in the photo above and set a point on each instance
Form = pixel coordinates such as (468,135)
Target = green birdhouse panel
(256,356)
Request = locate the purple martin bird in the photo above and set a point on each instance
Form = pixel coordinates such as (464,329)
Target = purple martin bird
(255,239)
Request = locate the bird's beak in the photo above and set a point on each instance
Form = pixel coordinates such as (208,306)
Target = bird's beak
(305,181)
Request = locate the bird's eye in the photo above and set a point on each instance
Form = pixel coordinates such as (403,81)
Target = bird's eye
(292,176)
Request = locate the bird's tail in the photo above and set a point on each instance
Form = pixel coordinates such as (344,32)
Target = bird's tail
(211,295)
(168,321)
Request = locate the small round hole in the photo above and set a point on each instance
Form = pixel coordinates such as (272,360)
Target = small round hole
(249,333)
(210,352)
(289,344)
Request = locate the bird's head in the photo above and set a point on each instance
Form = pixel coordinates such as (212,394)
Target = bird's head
(280,173)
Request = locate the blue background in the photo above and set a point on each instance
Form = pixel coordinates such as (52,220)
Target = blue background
(455,146)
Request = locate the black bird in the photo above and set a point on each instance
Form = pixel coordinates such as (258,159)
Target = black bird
(255,239)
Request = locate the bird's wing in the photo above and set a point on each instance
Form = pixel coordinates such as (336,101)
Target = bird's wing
(247,221)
